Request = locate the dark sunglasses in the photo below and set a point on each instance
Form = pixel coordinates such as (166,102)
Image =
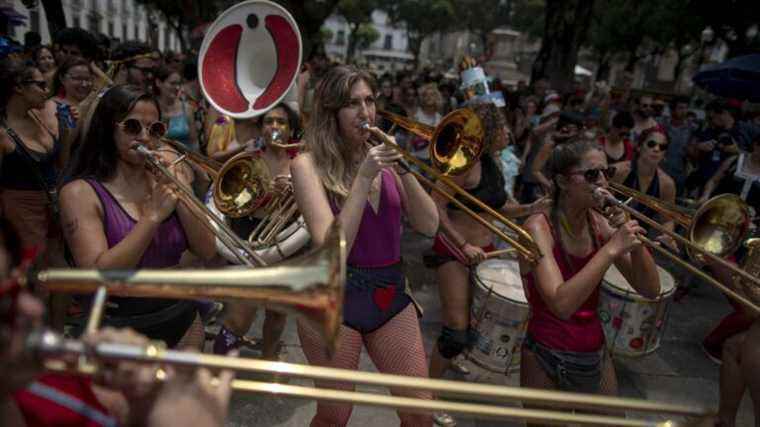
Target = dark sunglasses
(42,84)
(592,175)
(133,127)
(652,143)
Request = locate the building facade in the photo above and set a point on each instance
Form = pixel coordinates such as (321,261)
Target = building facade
(117,19)
(388,53)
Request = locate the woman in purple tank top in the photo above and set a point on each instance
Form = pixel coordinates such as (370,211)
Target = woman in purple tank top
(116,215)
(340,177)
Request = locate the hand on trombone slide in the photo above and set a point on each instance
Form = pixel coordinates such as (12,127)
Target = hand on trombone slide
(379,156)
(625,238)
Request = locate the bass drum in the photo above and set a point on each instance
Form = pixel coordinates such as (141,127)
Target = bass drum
(289,241)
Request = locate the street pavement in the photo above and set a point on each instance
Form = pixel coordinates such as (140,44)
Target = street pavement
(678,372)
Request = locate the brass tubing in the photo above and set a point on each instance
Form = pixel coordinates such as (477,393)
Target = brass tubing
(96,311)
(678,237)
(675,258)
(52,344)
(531,252)
(234,243)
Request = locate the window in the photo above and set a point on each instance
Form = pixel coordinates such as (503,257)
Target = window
(136,32)
(124,30)
(34,19)
(388,45)
(111,29)
(340,38)
(94,22)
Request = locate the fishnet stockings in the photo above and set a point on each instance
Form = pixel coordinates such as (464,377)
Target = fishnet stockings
(395,348)
(532,375)
(194,337)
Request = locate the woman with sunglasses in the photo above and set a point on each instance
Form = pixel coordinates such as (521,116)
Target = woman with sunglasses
(644,174)
(31,151)
(118,214)
(462,242)
(339,177)
(564,347)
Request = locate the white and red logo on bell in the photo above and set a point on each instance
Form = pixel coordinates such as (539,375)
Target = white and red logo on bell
(249,58)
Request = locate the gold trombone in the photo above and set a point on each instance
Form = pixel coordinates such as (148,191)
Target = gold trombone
(455,145)
(310,286)
(718,227)
(489,399)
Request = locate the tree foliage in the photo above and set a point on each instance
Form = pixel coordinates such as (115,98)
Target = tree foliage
(481,17)
(528,17)
(730,21)
(310,16)
(422,18)
(358,16)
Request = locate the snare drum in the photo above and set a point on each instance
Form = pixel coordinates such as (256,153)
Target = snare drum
(498,316)
(633,325)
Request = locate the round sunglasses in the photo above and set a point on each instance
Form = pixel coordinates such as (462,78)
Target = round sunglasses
(652,143)
(134,127)
(592,175)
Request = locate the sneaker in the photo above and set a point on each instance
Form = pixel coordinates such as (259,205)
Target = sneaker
(713,353)
(444,420)
(458,366)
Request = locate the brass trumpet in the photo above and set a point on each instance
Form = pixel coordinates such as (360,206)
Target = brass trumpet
(719,203)
(455,145)
(488,399)
(310,286)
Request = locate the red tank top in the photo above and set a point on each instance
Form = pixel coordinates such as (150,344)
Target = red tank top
(62,400)
(583,331)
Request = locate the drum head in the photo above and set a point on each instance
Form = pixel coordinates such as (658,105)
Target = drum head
(503,277)
(614,280)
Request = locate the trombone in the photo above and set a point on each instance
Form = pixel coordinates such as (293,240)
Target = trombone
(311,286)
(717,226)
(235,244)
(488,399)
(456,144)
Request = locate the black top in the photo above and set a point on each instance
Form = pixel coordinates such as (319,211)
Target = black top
(632,181)
(490,189)
(16,173)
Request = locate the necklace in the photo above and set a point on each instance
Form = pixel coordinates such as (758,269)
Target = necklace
(566,226)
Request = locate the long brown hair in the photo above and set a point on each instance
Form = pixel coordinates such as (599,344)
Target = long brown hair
(331,156)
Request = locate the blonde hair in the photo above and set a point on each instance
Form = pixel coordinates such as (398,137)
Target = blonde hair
(332,157)
(431,89)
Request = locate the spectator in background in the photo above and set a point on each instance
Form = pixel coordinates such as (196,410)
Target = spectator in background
(72,82)
(616,144)
(43,58)
(643,111)
(74,42)
(427,113)
(540,89)
(679,132)
(175,111)
(409,97)
(135,66)
(709,148)
(530,106)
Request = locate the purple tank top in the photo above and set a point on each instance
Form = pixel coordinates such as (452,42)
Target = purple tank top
(168,243)
(378,241)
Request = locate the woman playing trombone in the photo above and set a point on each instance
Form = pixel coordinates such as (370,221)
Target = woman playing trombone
(340,178)
(117,215)
(564,347)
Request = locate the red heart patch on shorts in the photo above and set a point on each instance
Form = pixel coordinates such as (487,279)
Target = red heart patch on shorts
(383,297)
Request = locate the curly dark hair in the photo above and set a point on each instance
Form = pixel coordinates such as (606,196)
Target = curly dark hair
(492,119)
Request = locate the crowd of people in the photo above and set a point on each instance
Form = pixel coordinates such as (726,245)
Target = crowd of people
(75,191)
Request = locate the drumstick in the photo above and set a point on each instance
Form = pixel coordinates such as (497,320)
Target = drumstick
(500,252)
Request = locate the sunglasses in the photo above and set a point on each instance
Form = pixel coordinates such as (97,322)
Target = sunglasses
(133,127)
(42,84)
(592,175)
(652,143)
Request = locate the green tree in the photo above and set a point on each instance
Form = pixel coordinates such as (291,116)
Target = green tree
(422,19)
(310,16)
(528,17)
(358,16)
(565,27)
(184,15)
(481,17)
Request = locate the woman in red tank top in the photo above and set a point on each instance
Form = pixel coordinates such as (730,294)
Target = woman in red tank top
(564,348)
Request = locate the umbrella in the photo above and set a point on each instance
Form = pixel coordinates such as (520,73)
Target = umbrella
(736,78)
